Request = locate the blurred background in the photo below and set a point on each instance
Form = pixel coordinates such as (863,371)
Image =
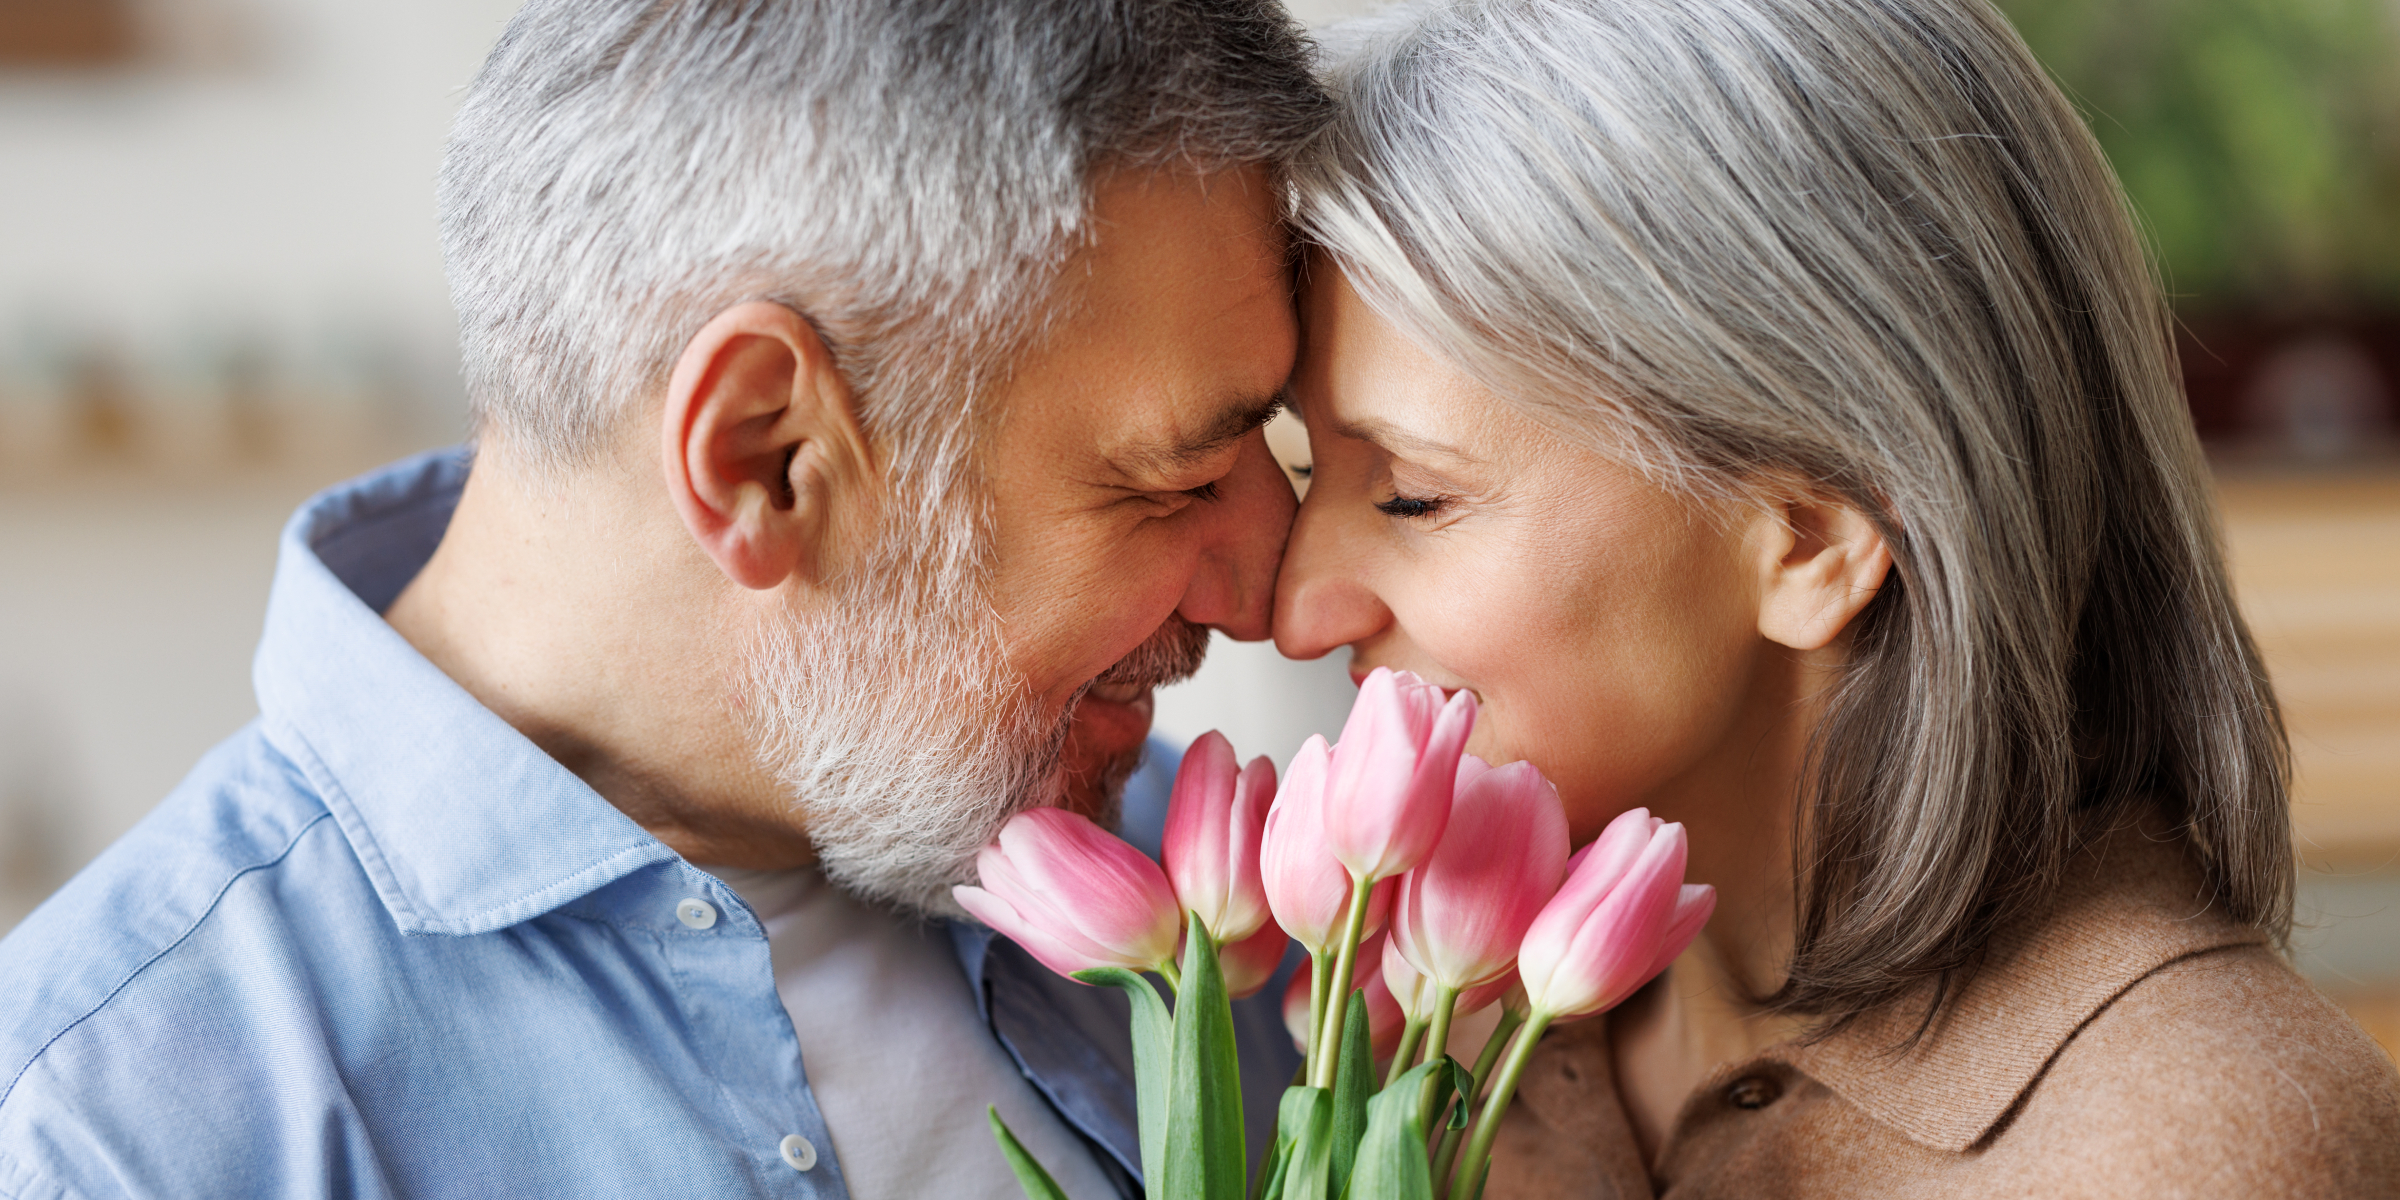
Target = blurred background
(220,291)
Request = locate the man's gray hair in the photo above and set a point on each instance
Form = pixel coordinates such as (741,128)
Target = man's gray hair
(1864,246)
(908,174)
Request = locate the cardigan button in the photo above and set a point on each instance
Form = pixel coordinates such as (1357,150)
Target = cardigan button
(1753,1092)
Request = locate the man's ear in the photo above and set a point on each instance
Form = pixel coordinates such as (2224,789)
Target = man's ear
(764,458)
(1822,561)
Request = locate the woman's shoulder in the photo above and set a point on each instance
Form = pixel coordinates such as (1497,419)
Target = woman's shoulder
(2222,1066)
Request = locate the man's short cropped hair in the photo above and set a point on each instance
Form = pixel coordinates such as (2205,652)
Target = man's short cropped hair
(907,174)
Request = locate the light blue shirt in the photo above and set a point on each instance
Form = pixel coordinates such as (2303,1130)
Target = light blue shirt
(379,944)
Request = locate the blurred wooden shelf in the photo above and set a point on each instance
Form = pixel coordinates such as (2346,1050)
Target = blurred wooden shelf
(2316,564)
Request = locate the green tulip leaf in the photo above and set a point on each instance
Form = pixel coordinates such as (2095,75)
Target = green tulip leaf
(1353,1081)
(1305,1119)
(1153,1040)
(1391,1158)
(1204,1157)
(1031,1178)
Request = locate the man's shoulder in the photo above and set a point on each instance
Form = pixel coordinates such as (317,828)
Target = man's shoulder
(155,893)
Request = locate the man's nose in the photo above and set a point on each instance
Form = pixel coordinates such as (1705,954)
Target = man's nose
(1322,598)
(1234,588)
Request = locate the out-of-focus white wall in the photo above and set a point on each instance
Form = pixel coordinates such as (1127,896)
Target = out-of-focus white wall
(274,186)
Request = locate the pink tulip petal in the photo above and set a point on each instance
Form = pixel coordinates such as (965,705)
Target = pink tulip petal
(1470,768)
(1394,772)
(1408,987)
(1307,888)
(1483,996)
(1462,913)
(1094,882)
(1591,873)
(1296,1003)
(1609,954)
(1245,907)
(1248,963)
(1004,919)
(1694,904)
(1384,1016)
(1194,846)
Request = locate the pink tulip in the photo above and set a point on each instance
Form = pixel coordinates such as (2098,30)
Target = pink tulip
(1410,989)
(1296,1008)
(1388,794)
(1214,822)
(1415,994)
(1073,895)
(1307,888)
(1384,1018)
(1621,917)
(1460,914)
(1246,964)
(1484,995)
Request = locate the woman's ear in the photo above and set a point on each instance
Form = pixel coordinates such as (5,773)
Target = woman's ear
(1822,561)
(764,457)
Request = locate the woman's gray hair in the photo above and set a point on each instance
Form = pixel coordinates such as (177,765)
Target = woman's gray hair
(1867,246)
(908,174)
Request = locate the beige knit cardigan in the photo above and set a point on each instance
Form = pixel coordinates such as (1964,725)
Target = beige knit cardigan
(2130,1042)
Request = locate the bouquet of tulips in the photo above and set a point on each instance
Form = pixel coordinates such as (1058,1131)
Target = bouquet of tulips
(1469,865)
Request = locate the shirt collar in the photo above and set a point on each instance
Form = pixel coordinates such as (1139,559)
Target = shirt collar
(2131,903)
(462,824)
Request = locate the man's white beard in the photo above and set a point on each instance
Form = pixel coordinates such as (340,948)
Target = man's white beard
(903,739)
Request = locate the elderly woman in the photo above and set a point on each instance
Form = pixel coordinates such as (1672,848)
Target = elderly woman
(1765,407)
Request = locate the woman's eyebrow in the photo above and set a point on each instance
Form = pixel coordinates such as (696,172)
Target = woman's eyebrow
(1392,437)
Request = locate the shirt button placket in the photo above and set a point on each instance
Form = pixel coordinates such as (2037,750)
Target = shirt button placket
(696,913)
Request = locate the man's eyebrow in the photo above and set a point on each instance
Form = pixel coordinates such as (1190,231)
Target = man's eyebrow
(1234,422)
(1391,437)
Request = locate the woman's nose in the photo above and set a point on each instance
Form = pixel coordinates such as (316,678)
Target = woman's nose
(1323,597)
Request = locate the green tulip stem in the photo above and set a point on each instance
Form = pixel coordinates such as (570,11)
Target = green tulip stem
(1330,1032)
(1319,979)
(1410,1034)
(1484,1062)
(1437,1038)
(1172,974)
(1468,1183)
(1437,1043)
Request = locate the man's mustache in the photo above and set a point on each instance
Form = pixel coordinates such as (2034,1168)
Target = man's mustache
(1169,655)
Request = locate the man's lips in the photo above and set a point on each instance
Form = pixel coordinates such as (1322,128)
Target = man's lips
(1120,693)
(1114,718)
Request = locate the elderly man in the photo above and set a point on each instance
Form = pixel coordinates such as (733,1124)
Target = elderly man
(867,396)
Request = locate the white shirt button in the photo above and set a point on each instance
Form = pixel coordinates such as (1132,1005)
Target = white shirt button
(798,1152)
(697,914)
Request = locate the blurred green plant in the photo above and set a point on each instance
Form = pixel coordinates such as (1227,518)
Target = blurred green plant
(2259,139)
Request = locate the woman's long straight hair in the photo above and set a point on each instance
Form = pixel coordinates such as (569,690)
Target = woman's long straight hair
(1865,245)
